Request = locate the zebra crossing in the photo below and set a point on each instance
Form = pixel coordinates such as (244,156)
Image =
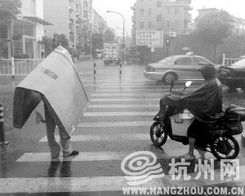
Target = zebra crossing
(85,184)
(115,124)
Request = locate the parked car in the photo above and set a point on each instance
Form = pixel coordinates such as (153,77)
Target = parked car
(177,67)
(234,75)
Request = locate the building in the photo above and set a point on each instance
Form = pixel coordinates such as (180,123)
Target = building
(203,11)
(61,13)
(73,18)
(99,23)
(24,34)
(239,23)
(84,34)
(165,16)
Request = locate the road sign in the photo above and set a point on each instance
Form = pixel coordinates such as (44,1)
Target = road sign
(152,39)
(172,34)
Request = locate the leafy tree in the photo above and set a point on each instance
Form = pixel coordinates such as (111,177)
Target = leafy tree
(214,27)
(47,44)
(50,44)
(9,9)
(109,36)
(97,42)
(60,39)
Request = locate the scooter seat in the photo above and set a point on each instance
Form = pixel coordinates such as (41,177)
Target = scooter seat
(234,108)
(235,112)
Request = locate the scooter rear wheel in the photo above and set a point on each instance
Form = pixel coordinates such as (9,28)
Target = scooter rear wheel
(158,134)
(225,147)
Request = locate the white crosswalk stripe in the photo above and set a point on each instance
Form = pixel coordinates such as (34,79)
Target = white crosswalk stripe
(130,91)
(111,106)
(103,155)
(119,113)
(83,156)
(124,94)
(125,99)
(109,138)
(114,124)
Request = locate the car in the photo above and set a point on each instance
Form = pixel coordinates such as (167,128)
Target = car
(177,67)
(113,60)
(233,75)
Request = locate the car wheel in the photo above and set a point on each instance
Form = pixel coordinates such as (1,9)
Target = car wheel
(169,78)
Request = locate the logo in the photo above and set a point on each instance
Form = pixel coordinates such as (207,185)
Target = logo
(141,167)
(229,169)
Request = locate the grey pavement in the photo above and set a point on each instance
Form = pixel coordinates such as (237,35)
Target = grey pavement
(115,124)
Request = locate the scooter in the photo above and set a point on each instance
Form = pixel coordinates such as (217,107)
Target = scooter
(220,141)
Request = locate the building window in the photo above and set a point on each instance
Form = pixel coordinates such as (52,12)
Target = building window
(149,25)
(85,5)
(149,11)
(159,18)
(176,10)
(159,4)
(168,10)
(142,11)
(142,25)
(176,23)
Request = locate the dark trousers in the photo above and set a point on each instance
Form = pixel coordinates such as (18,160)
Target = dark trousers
(198,130)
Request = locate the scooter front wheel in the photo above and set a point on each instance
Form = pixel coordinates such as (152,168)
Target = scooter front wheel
(158,134)
(225,147)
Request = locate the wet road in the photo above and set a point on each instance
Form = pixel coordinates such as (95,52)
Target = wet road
(115,124)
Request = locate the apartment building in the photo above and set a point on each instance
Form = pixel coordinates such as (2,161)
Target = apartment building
(24,34)
(166,16)
(99,23)
(69,17)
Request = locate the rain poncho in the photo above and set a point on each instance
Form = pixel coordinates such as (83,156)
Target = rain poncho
(204,103)
(55,82)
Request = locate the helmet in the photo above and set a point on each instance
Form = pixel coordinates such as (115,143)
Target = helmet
(207,71)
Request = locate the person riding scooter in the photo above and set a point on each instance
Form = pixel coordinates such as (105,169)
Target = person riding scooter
(205,104)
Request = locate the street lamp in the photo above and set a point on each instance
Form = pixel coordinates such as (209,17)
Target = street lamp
(124,43)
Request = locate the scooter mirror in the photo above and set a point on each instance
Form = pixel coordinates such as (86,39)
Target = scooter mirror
(188,83)
(172,85)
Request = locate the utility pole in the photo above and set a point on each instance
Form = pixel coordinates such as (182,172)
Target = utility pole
(11,50)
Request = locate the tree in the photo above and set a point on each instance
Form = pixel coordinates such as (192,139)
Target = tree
(47,45)
(50,44)
(109,36)
(9,9)
(60,39)
(97,42)
(214,27)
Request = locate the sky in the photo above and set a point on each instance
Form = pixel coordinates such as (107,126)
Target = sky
(234,7)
